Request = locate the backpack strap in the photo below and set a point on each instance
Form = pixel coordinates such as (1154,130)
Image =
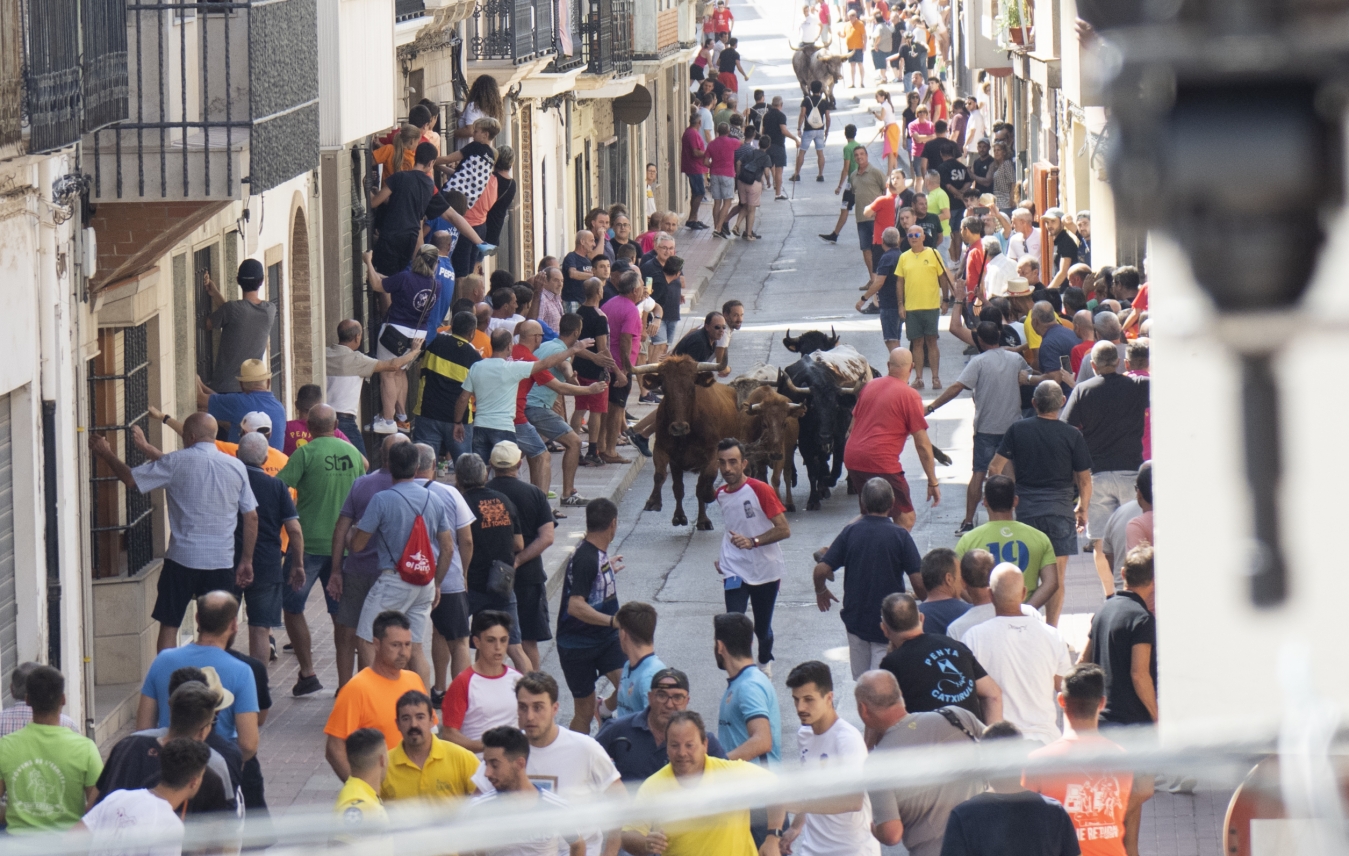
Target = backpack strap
(950,716)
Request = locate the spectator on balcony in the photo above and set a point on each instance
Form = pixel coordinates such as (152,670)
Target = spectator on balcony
(401,152)
(484,102)
(245,325)
(473,163)
(408,198)
(728,64)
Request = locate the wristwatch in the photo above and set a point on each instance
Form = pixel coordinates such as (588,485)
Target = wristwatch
(756,541)
(777,833)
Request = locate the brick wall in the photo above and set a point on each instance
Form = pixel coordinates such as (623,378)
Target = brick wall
(133,236)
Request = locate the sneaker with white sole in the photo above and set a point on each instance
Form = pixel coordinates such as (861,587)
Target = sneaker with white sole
(384,426)
(767,669)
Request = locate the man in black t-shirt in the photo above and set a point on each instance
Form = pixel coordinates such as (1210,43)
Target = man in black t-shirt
(1067,246)
(1123,627)
(592,366)
(587,632)
(955,180)
(701,345)
(497,537)
(813,126)
(775,128)
(446,364)
(885,287)
(930,222)
(536,529)
(406,199)
(933,670)
(576,269)
(728,63)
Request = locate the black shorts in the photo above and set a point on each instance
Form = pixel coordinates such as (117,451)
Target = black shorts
(849,199)
(450,617)
(393,252)
(1061,529)
(618,395)
(582,667)
(532,604)
(179,586)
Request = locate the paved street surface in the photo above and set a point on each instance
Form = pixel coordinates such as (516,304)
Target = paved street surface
(790,279)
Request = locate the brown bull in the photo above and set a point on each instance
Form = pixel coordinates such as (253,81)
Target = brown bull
(695,415)
(770,433)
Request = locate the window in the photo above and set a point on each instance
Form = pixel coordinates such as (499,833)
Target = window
(121,525)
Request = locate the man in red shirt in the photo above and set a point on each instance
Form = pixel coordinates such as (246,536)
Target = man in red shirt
(888,413)
(527,437)
(1105,806)
(722,20)
(693,163)
(1085,329)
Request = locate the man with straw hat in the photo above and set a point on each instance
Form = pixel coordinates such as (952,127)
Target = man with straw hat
(255,383)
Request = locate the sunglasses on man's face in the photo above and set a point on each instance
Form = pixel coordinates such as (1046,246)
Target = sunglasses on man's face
(916,236)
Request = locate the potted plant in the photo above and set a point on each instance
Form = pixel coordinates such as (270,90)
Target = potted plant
(1012,21)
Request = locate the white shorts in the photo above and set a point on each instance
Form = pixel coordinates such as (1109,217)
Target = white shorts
(815,138)
(390,592)
(864,656)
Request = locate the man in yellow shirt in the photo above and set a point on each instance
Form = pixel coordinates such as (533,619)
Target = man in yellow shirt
(924,290)
(423,766)
(724,834)
(358,806)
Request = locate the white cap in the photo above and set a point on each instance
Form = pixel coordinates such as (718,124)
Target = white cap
(256,420)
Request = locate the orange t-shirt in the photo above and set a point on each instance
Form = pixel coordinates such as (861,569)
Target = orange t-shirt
(384,155)
(367,701)
(857,35)
(1096,800)
(482,343)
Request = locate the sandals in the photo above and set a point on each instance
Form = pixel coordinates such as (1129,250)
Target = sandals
(918,384)
(936,382)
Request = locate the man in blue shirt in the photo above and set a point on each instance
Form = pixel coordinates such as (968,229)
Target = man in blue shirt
(1056,340)
(636,636)
(444,241)
(636,742)
(217,623)
(749,721)
(255,383)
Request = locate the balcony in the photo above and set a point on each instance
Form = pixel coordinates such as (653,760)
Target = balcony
(223,101)
(655,29)
(568,31)
(65,84)
(608,37)
(356,98)
(516,32)
(408,10)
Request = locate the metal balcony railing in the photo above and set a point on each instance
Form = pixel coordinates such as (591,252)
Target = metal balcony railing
(568,37)
(516,31)
(608,37)
(407,10)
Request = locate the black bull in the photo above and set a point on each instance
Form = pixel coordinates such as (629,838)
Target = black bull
(824,427)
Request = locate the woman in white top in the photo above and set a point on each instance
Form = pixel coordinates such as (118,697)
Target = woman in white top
(885,117)
(484,100)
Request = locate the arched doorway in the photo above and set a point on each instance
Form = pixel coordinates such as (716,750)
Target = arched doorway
(301,304)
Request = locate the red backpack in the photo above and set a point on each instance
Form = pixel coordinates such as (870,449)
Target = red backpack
(417,565)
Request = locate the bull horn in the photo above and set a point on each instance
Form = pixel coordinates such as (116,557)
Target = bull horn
(708,367)
(646,369)
(791,387)
(754,408)
(856,388)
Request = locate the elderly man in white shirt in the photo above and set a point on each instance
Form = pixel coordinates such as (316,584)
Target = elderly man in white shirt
(1025,239)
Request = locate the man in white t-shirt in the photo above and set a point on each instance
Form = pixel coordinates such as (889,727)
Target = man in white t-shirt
(1025,656)
(562,762)
(124,815)
(734,313)
(1025,240)
(976,567)
(841,826)
(505,759)
(751,562)
(348,368)
(451,613)
(482,696)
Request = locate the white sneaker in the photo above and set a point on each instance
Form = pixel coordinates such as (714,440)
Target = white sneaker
(766,668)
(384,426)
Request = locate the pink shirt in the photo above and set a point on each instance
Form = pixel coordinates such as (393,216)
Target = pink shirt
(722,151)
(916,127)
(623,318)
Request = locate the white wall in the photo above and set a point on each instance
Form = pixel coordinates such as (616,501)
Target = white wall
(356,69)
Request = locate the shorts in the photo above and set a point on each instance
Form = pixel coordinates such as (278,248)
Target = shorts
(480,600)
(179,585)
(723,186)
(878,60)
(902,504)
(728,80)
(750,195)
(1061,529)
(529,441)
(849,199)
(922,323)
(316,568)
(262,603)
(597,403)
(857,55)
(391,592)
(355,589)
(865,228)
(665,332)
(985,447)
(1109,490)
(618,395)
(485,440)
(383,353)
(863,656)
(812,138)
(697,184)
(393,252)
(546,422)
(891,325)
(450,617)
(440,436)
(531,601)
(583,667)
(777,155)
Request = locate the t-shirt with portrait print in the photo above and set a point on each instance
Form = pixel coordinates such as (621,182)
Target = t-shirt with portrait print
(590,574)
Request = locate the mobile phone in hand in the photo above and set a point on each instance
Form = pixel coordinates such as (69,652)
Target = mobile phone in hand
(1066,363)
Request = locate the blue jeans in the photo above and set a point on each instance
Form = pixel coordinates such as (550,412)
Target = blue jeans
(346,423)
(440,436)
(317,569)
(763,597)
(485,439)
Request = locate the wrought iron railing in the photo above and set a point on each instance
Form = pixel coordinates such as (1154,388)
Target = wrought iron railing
(406,10)
(568,36)
(608,37)
(513,30)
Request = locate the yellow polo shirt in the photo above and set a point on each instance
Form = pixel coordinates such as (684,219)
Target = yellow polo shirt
(448,773)
(921,273)
(722,834)
(358,807)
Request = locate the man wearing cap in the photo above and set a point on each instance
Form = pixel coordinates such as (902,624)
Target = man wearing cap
(276,515)
(254,420)
(636,741)
(208,495)
(255,383)
(1084,237)
(245,325)
(348,368)
(536,527)
(1062,229)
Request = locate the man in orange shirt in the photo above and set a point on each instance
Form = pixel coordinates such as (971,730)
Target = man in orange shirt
(855,40)
(370,698)
(1105,806)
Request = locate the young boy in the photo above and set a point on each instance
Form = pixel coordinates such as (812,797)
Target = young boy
(849,167)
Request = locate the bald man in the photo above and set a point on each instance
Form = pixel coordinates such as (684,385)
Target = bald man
(887,414)
(348,368)
(208,496)
(1025,656)
(976,568)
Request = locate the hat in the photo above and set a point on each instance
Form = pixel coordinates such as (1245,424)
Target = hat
(256,420)
(505,455)
(1084,214)
(1055,214)
(1017,286)
(988,200)
(250,272)
(681,680)
(214,685)
(253,371)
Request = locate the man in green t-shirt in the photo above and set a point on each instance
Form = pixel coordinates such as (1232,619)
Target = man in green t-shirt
(1009,541)
(48,773)
(849,166)
(322,472)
